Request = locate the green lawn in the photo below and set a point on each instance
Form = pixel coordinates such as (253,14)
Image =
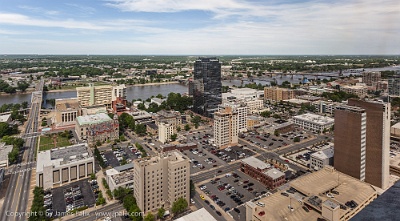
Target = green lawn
(47,142)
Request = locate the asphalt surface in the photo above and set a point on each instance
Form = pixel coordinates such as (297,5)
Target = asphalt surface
(16,199)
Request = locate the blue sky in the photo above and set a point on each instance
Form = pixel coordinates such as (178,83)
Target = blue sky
(198,27)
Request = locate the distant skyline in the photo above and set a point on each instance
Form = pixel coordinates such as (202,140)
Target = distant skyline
(193,27)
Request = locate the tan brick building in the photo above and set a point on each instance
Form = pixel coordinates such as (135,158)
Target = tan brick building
(277,94)
(161,180)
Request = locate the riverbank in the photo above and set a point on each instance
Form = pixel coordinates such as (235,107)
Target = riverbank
(134,85)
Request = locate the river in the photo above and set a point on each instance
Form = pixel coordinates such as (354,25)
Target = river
(144,92)
(135,92)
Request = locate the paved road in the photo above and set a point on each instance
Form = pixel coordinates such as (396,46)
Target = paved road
(211,173)
(16,199)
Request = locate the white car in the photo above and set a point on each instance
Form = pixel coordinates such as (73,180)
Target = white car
(192,201)
(260,204)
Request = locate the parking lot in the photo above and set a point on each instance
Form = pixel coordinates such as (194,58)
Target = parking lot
(231,191)
(72,196)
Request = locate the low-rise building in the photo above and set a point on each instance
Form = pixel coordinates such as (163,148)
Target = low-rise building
(170,117)
(263,172)
(4,151)
(152,128)
(320,159)
(243,94)
(395,130)
(315,191)
(254,122)
(198,215)
(60,166)
(165,131)
(66,111)
(180,147)
(121,176)
(97,127)
(314,122)
(325,107)
(6,118)
(157,101)
(359,90)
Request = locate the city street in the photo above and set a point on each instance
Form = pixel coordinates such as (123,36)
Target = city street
(16,199)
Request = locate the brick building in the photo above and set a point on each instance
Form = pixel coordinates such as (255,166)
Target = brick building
(263,172)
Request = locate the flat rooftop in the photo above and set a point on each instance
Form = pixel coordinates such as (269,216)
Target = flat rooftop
(4,118)
(314,118)
(4,151)
(123,177)
(93,119)
(65,104)
(274,173)
(324,154)
(256,163)
(62,155)
(198,215)
(313,188)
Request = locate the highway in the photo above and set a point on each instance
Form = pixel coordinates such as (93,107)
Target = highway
(17,195)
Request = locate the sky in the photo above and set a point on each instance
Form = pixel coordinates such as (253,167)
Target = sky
(200,27)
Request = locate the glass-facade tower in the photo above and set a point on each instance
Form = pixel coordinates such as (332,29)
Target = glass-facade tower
(207,86)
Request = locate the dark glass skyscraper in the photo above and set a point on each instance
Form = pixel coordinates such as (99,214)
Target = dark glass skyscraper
(206,86)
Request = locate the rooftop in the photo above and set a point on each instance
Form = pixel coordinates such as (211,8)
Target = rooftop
(198,215)
(314,118)
(385,207)
(311,190)
(123,168)
(397,126)
(274,173)
(297,101)
(4,150)
(324,154)
(256,163)
(67,104)
(5,118)
(62,155)
(123,177)
(93,119)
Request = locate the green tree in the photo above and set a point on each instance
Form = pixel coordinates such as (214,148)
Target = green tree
(121,192)
(126,121)
(140,129)
(276,133)
(149,217)
(187,127)
(24,104)
(173,137)
(160,213)
(22,85)
(178,128)
(296,139)
(179,206)
(265,114)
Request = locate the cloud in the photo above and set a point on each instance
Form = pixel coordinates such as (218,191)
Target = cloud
(39,10)
(113,25)
(85,10)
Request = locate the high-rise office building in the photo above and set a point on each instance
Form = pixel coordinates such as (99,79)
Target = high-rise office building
(226,127)
(206,86)
(394,86)
(371,78)
(160,180)
(362,136)
(94,95)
